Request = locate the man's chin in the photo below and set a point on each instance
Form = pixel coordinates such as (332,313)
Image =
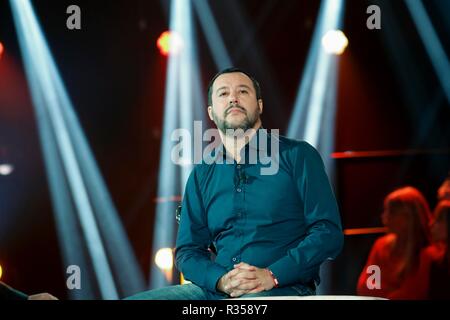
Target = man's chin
(235,125)
(237,129)
(237,117)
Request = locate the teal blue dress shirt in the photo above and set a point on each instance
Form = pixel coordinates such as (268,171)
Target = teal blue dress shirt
(287,222)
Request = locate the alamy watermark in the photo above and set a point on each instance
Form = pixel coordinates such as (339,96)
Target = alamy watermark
(74,279)
(374,20)
(73,22)
(263,148)
(374,279)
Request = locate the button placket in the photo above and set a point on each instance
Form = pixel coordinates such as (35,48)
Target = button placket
(238,207)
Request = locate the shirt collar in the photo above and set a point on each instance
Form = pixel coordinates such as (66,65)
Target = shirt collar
(260,141)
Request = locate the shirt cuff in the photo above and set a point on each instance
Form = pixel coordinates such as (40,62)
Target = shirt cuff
(288,272)
(213,274)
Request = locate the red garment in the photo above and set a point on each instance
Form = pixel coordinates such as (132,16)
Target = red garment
(413,286)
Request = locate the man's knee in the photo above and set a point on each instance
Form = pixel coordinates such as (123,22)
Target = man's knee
(177,292)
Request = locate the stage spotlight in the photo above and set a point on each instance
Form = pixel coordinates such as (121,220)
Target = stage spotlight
(169,42)
(1,271)
(164,259)
(1,49)
(6,169)
(334,42)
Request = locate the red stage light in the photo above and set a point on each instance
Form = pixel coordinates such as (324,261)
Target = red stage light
(169,43)
(1,49)
(163,43)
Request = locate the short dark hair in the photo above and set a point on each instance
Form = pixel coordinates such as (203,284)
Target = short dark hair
(233,70)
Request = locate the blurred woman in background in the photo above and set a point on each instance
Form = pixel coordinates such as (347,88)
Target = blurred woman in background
(401,253)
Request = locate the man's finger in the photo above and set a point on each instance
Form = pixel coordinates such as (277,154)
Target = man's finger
(234,283)
(239,292)
(250,275)
(231,284)
(256,290)
(244,266)
(248,285)
(233,272)
(241,264)
(233,279)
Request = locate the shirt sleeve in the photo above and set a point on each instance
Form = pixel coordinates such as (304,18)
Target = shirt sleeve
(324,237)
(8,293)
(191,254)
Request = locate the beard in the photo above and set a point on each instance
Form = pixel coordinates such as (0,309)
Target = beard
(246,123)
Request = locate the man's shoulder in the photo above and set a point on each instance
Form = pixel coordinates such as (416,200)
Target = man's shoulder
(200,169)
(294,144)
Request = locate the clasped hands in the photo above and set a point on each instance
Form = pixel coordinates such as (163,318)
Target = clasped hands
(245,279)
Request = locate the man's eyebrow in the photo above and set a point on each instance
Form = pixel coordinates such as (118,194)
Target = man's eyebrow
(244,86)
(221,88)
(240,86)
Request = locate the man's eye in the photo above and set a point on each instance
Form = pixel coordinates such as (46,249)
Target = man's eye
(244,91)
(222,94)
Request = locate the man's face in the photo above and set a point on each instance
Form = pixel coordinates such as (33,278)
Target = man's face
(234,103)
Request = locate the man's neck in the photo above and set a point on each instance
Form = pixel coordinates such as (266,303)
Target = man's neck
(234,144)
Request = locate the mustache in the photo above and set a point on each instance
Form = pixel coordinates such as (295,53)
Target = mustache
(227,111)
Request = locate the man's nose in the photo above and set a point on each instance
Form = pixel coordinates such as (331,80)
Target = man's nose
(232,99)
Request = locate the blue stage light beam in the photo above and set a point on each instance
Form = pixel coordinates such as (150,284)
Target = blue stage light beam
(37,59)
(213,36)
(184,27)
(71,242)
(164,224)
(183,105)
(123,261)
(317,78)
(433,45)
(313,118)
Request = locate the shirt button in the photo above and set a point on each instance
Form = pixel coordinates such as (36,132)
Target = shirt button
(234,259)
(238,166)
(238,189)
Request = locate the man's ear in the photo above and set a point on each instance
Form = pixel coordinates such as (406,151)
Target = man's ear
(210,113)
(260,106)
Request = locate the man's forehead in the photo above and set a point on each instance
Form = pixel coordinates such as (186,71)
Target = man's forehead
(234,79)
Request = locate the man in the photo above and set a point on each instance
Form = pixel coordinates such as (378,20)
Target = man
(271,232)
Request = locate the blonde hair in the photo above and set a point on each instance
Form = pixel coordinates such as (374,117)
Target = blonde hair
(417,235)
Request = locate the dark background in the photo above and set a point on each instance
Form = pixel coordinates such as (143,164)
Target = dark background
(388,99)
